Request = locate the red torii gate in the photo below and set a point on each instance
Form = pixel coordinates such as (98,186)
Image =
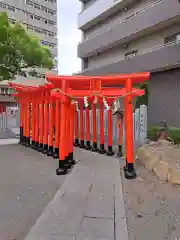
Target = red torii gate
(63,91)
(23,95)
(42,117)
(75,87)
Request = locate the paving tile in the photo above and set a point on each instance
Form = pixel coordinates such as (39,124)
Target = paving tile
(96,228)
(64,214)
(100,204)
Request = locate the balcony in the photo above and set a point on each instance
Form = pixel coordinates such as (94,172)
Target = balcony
(155,16)
(155,59)
(100,10)
(84,1)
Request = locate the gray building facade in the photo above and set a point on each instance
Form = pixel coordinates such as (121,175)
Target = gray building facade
(38,15)
(125,36)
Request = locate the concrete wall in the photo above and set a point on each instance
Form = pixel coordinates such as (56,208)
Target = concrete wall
(140,45)
(116,17)
(88,4)
(164,100)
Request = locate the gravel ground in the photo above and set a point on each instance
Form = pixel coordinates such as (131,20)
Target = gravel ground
(153,207)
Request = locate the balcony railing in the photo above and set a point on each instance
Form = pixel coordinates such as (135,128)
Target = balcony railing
(123,20)
(148,50)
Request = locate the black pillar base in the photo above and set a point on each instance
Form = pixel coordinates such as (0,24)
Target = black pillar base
(71,158)
(56,153)
(27,142)
(101,150)
(32,144)
(94,147)
(110,151)
(63,167)
(120,154)
(45,149)
(21,136)
(82,144)
(24,141)
(40,147)
(50,151)
(35,145)
(129,171)
(76,143)
(68,163)
(88,145)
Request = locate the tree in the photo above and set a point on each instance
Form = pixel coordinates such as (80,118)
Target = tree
(19,49)
(143,100)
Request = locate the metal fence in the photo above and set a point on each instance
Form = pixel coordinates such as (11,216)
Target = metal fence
(10,121)
(139,125)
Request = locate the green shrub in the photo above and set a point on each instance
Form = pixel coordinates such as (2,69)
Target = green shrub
(173,132)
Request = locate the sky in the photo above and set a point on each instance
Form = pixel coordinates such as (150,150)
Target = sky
(68,36)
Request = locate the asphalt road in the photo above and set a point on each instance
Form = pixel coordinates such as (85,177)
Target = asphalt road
(27,184)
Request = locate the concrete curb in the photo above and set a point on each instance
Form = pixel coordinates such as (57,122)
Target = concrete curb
(9,141)
(120,216)
(154,162)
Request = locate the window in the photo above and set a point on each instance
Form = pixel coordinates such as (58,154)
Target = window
(11,8)
(85,63)
(41,31)
(12,21)
(37,6)
(40,7)
(50,22)
(30,15)
(23,11)
(50,1)
(30,28)
(47,43)
(44,9)
(51,12)
(53,45)
(38,30)
(49,33)
(169,39)
(130,54)
(44,31)
(30,3)
(172,38)
(2,5)
(37,17)
(23,74)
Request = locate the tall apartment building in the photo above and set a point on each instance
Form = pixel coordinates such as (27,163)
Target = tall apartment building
(38,15)
(125,36)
